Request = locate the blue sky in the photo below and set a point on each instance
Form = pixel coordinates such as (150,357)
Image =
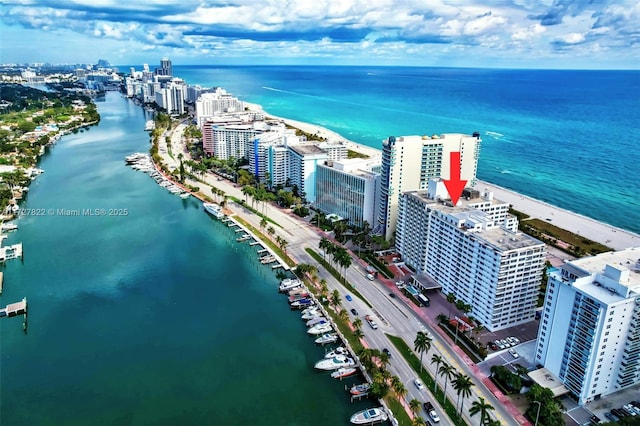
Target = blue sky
(507,33)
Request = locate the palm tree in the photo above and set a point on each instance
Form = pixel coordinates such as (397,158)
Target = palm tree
(357,323)
(437,360)
(263,223)
(482,407)
(358,334)
(422,344)
(447,371)
(414,405)
(324,245)
(462,384)
(418,421)
(384,358)
(344,316)
(335,299)
(398,387)
(271,231)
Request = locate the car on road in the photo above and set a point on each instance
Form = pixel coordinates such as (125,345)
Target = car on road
(386,351)
(418,384)
(514,353)
(428,407)
(348,297)
(354,312)
(370,277)
(392,295)
(371,321)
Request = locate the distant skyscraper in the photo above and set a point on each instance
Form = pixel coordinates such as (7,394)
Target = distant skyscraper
(165,67)
(589,335)
(408,162)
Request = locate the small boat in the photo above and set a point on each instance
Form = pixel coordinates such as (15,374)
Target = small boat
(343,372)
(320,329)
(289,284)
(311,314)
(316,320)
(302,303)
(360,389)
(327,338)
(298,297)
(340,350)
(9,226)
(368,416)
(213,209)
(338,361)
(312,309)
(185,195)
(298,291)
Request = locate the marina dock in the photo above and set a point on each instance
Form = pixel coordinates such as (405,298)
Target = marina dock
(1,280)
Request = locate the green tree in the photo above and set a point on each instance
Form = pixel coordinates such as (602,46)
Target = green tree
(422,344)
(462,384)
(447,371)
(414,405)
(437,360)
(482,407)
(357,323)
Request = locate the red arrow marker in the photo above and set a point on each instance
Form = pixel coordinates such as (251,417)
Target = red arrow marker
(454,184)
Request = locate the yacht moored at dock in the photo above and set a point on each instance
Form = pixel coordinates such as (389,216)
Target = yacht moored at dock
(316,320)
(213,209)
(320,329)
(369,416)
(338,361)
(343,372)
(289,284)
(327,338)
(360,389)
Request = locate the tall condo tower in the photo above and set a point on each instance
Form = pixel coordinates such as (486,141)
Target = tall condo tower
(408,162)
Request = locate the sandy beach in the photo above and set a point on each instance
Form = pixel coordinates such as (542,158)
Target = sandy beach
(603,233)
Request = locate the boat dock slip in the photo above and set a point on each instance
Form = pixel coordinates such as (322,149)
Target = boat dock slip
(239,230)
(1,280)
(253,243)
(15,309)
(262,251)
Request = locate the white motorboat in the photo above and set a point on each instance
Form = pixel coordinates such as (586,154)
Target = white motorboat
(338,361)
(185,195)
(360,389)
(343,372)
(340,350)
(316,320)
(289,284)
(320,329)
(311,314)
(368,416)
(310,309)
(327,338)
(213,209)
(9,226)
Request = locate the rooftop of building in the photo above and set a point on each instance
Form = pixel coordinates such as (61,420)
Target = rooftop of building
(432,138)
(307,149)
(464,204)
(622,266)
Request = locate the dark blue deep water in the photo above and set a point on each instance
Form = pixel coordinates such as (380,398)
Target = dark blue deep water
(565,137)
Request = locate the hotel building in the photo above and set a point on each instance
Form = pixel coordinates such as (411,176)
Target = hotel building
(589,335)
(408,162)
(230,136)
(214,103)
(474,251)
(269,155)
(348,188)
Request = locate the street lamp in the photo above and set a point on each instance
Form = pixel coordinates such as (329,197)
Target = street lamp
(537,412)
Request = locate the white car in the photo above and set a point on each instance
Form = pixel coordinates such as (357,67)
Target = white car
(418,384)
(514,353)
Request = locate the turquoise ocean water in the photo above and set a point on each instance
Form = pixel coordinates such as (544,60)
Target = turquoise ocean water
(158,317)
(565,137)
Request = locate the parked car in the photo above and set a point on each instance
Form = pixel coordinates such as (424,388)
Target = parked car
(493,346)
(354,312)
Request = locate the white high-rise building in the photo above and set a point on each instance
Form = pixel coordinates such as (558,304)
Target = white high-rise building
(589,335)
(230,136)
(474,251)
(213,103)
(348,188)
(303,160)
(269,157)
(408,162)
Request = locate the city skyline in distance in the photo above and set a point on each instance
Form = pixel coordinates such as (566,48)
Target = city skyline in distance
(505,34)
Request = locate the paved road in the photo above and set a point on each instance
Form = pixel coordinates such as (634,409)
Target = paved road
(395,317)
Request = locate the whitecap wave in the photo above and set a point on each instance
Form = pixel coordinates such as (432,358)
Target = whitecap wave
(495,135)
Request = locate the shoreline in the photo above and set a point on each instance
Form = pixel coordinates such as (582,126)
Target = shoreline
(601,232)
